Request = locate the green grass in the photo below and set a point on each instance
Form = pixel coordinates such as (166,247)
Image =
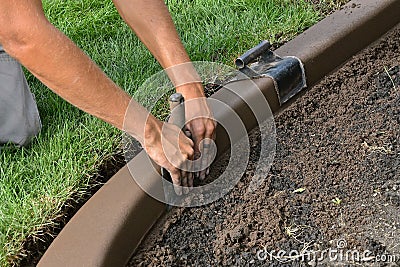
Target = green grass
(36,181)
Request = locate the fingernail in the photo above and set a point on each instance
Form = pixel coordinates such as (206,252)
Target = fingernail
(208,171)
(178,190)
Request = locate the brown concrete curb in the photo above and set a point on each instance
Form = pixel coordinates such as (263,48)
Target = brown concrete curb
(107,229)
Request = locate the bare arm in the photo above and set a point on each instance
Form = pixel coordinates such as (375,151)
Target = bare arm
(63,67)
(152,23)
(58,62)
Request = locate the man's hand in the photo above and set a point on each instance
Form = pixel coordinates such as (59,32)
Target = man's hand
(168,146)
(153,25)
(201,126)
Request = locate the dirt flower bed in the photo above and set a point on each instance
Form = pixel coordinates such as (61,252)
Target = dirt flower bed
(334,184)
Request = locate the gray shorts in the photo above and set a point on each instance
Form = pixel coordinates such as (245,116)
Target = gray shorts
(19,116)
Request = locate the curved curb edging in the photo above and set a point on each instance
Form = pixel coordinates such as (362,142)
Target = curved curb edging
(107,229)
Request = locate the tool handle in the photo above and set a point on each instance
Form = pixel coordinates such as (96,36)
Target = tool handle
(177,108)
(252,54)
(176,117)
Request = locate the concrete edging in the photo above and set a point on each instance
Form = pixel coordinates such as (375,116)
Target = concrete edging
(107,229)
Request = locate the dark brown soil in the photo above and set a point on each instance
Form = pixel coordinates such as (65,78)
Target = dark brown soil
(340,141)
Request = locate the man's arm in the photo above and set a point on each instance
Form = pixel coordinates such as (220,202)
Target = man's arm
(63,67)
(152,23)
(58,62)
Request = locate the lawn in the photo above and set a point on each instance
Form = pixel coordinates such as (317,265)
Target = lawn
(36,181)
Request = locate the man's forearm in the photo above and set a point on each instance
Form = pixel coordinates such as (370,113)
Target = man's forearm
(64,68)
(152,23)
